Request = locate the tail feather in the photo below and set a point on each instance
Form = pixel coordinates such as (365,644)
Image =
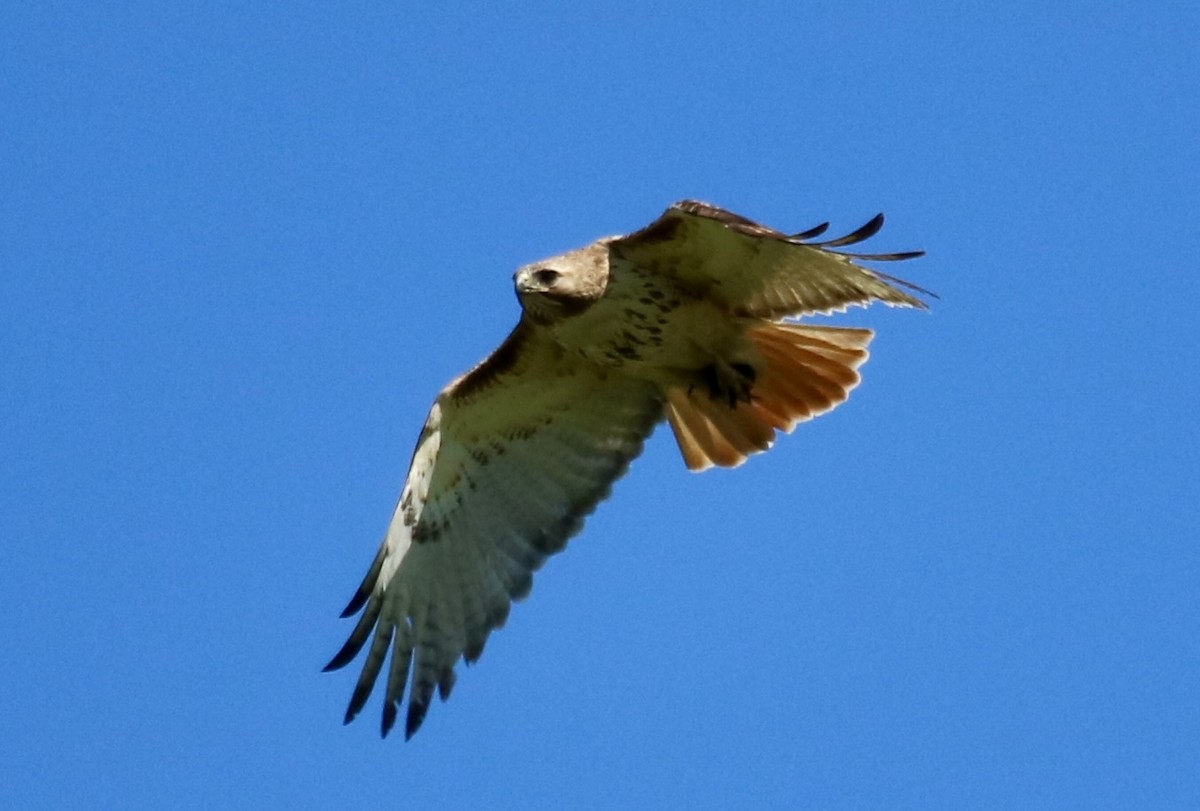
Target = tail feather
(701,439)
(806,371)
(742,430)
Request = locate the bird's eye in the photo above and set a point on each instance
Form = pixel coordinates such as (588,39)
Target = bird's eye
(545,277)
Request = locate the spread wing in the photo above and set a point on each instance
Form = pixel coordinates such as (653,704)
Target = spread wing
(759,272)
(513,456)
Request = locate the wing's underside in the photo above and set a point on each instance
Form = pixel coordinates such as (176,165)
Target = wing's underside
(505,473)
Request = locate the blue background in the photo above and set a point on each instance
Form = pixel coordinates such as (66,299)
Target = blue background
(241,248)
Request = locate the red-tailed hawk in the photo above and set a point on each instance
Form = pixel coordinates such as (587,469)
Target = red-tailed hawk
(682,320)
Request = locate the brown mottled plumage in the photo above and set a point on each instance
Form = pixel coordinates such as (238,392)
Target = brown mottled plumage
(681,320)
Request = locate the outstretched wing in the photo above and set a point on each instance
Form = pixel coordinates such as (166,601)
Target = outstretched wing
(513,456)
(757,271)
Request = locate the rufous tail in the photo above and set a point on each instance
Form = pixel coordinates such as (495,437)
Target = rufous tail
(806,371)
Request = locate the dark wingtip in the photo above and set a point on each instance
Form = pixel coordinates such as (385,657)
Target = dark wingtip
(358,700)
(815,231)
(358,637)
(446,683)
(356,603)
(416,714)
(389,719)
(367,586)
(865,232)
(898,256)
(474,651)
(342,658)
(905,283)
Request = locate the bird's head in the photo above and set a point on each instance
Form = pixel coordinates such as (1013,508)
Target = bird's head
(564,285)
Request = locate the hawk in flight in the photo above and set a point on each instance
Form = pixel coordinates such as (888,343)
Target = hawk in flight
(685,320)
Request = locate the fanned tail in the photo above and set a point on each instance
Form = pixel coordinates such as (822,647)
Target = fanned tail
(807,370)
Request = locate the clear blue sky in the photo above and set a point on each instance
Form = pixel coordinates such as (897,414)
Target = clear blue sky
(241,250)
